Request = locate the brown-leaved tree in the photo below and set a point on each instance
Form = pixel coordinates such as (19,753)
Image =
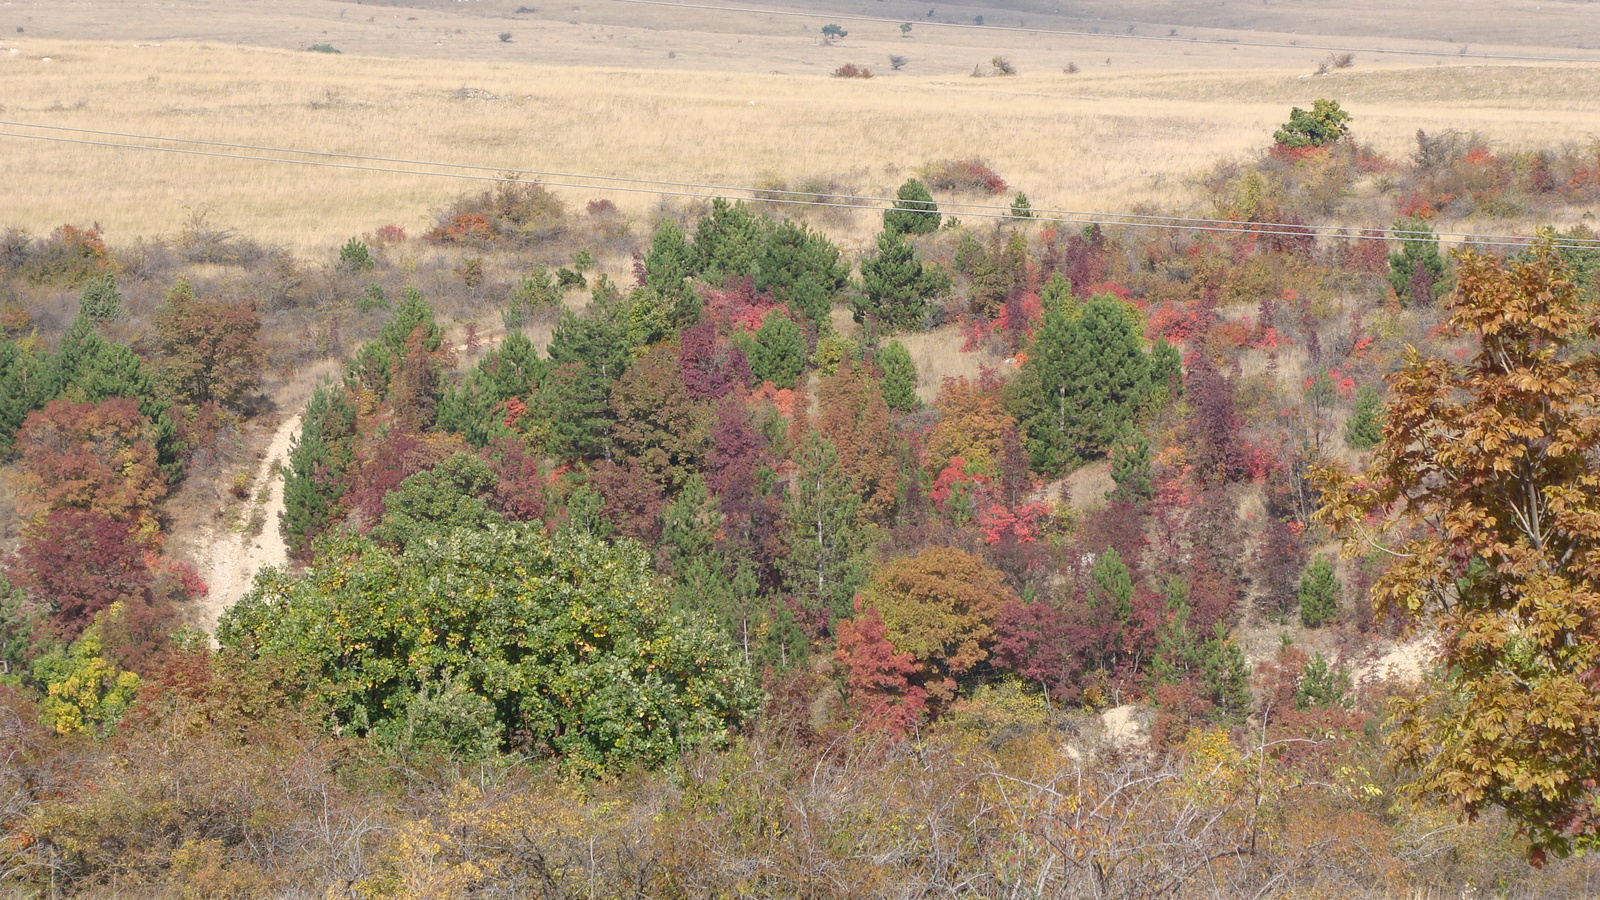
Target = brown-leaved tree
(1488,478)
(210,351)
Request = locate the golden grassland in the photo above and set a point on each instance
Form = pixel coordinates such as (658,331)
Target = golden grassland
(739,99)
(1103,141)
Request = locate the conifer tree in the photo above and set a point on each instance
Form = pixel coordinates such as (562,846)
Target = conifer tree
(899,378)
(22,385)
(897,285)
(914,211)
(1319,594)
(1166,372)
(1088,379)
(778,353)
(100,301)
(1417,271)
(588,353)
(669,268)
(319,461)
(88,368)
(1322,685)
(534,293)
(728,241)
(1364,429)
(803,270)
(1130,470)
(828,545)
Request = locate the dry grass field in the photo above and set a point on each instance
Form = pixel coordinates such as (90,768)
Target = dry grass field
(741,99)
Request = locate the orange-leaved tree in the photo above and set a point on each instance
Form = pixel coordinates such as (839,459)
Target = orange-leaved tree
(98,456)
(209,350)
(940,606)
(1485,494)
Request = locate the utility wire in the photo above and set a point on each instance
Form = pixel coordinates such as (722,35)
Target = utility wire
(845,202)
(843,17)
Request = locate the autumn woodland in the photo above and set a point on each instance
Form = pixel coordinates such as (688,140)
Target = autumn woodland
(731,530)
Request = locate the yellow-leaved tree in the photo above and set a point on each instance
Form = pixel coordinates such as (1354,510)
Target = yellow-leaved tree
(1485,492)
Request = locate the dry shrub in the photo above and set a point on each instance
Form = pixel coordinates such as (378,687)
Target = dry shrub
(972,175)
(515,213)
(851,70)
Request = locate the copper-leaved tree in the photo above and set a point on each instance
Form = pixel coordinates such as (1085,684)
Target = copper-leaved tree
(1486,490)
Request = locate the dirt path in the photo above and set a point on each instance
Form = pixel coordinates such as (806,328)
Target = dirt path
(232,562)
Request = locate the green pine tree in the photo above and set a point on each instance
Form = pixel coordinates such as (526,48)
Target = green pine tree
(88,368)
(100,301)
(1225,674)
(355,257)
(1319,594)
(1364,429)
(897,286)
(1322,685)
(1130,471)
(1086,381)
(803,270)
(1057,295)
(1166,372)
(828,546)
(899,377)
(728,241)
(778,353)
(319,459)
(411,314)
(535,293)
(475,409)
(24,380)
(1417,271)
(670,267)
(914,211)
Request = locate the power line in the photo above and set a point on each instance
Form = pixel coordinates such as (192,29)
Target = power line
(845,202)
(1109,35)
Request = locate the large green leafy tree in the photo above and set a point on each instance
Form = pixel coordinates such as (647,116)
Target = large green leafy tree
(1324,123)
(913,212)
(569,639)
(897,285)
(1084,383)
(450,496)
(1487,472)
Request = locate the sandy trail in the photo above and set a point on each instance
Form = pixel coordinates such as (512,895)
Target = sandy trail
(233,560)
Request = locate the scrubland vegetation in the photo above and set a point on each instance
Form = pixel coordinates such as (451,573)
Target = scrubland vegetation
(733,577)
(668,546)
